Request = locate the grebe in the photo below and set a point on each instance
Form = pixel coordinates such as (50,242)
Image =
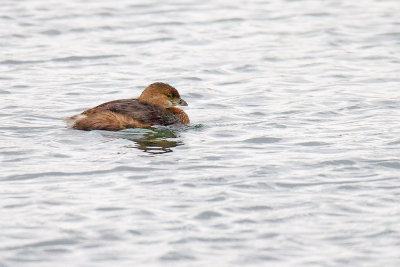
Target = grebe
(155,106)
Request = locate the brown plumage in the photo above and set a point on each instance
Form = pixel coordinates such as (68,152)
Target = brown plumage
(155,106)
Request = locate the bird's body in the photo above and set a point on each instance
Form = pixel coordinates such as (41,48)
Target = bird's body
(154,107)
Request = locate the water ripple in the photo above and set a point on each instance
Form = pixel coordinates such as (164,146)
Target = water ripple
(291,158)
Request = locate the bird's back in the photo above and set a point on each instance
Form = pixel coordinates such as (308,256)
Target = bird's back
(143,112)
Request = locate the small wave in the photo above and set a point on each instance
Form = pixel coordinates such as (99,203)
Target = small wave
(262,140)
(62,174)
(155,40)
(207,215)
(80,58)
(19,62)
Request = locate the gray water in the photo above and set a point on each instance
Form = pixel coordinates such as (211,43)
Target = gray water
(292,157)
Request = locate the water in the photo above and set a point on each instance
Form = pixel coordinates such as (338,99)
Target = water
(292,157)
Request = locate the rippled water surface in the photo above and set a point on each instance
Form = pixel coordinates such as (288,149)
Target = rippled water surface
(292,157)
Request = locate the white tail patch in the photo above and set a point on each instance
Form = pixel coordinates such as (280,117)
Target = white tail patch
(71,120)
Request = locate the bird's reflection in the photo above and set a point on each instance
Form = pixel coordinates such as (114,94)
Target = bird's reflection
(158,142)
(154,141)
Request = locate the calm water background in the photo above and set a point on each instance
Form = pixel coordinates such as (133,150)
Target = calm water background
(292,157)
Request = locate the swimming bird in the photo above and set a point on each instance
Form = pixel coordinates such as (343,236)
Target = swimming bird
(155,106)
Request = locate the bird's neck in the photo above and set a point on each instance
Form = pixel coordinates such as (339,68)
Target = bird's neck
(180,114)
